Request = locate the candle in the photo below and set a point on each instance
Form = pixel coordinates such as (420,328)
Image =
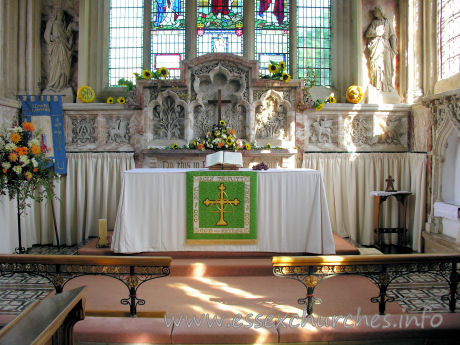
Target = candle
(102,232)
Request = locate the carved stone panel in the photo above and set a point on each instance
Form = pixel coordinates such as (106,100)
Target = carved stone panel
(272,118)
(167,115)
(117,131)
(83,130)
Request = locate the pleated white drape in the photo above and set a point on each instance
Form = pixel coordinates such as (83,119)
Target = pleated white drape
(350,177)
(90,191)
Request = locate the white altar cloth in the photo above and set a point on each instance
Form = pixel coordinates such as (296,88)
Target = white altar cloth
(292,213)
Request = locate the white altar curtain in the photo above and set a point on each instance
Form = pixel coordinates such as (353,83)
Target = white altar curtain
(350,177)
(90,191)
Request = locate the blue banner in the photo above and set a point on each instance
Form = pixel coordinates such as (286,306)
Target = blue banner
(49,107)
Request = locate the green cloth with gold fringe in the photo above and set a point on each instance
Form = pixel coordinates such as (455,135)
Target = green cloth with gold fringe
(221,207)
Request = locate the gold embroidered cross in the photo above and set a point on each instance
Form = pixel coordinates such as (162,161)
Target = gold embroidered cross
(221,203)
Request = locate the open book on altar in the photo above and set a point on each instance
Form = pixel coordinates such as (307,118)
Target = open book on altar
(224,160)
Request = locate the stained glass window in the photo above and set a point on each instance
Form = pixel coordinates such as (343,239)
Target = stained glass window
(448,38)
(314,39)
(272,32)
(168,35)
(220,27)
(125,39)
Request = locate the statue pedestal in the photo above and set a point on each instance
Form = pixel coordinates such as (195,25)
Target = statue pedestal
(374,96)
(67,94)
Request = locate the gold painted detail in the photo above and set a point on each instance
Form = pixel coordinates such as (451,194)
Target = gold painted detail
(58,281)
(132,282)
(311,281)
(221,205)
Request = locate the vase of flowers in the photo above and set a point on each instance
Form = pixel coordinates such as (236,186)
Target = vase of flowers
(220,138)
(25,171)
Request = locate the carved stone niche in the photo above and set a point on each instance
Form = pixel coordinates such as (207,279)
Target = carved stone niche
(167,117)
(274,120)
(234,108)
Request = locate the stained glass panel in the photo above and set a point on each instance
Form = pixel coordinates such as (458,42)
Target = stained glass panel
(448,38)
(220,27)
(314,39)
(168,35)
(272,32)
(125,39)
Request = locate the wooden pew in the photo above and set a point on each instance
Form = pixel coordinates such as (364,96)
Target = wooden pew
(49,321)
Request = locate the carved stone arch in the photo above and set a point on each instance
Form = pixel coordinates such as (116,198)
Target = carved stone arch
(274,119)
(168,117)
(445,113)
(235,111)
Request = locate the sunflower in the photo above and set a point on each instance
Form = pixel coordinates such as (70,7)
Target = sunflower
(272,68)
(229,141)
(163,72)
(331,99)
(354,94)
(247,146)
(319,106)
(146,74)
(285,77)
(222,123)
(121,100)
(282,65)
(174,146)
(268,146)
(110,100)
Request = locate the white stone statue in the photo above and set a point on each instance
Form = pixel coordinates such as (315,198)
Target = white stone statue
(381,45)
(60,41)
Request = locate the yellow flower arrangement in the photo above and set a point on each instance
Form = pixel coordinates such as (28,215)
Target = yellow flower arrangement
(163,72)
(277,71)
(354,94)
(319,106)
(147,74)
(86,94)
(272,68)
(285,77)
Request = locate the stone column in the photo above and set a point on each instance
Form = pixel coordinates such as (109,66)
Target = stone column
(429,46)
(190,31)
(293,38)
(93,46)
(410,41)
(249,30)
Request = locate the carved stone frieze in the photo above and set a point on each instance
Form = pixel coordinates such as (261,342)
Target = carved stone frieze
(83,130)
(118,131)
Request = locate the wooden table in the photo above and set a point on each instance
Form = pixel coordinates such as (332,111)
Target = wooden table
(380,197)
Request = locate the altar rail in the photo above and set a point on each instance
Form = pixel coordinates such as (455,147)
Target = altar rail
(60,269)
(382,270)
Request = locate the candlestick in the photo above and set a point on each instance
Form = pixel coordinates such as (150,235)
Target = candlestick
(102,232)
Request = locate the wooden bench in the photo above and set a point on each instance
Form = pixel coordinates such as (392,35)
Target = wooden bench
(60,269)
(49,321)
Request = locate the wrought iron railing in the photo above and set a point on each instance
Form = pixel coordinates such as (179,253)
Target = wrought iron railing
(382,270)
(60,269)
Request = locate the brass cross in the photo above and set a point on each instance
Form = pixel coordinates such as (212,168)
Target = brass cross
(390,187)
(219,102)
(220,203)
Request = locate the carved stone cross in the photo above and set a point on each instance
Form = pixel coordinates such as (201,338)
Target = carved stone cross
(219,102)
(220,203)
(390,187)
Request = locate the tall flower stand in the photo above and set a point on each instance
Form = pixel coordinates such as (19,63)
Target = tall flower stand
(20,249)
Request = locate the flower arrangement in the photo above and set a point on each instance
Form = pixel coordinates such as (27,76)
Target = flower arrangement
(129,85)
(354,94)
(86,94)
(219,138)
(25,170)
(319,103)
(277,72)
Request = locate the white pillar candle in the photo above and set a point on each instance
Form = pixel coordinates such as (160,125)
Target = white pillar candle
(102,232)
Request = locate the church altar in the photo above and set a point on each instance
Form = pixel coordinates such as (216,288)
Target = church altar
(292,213)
